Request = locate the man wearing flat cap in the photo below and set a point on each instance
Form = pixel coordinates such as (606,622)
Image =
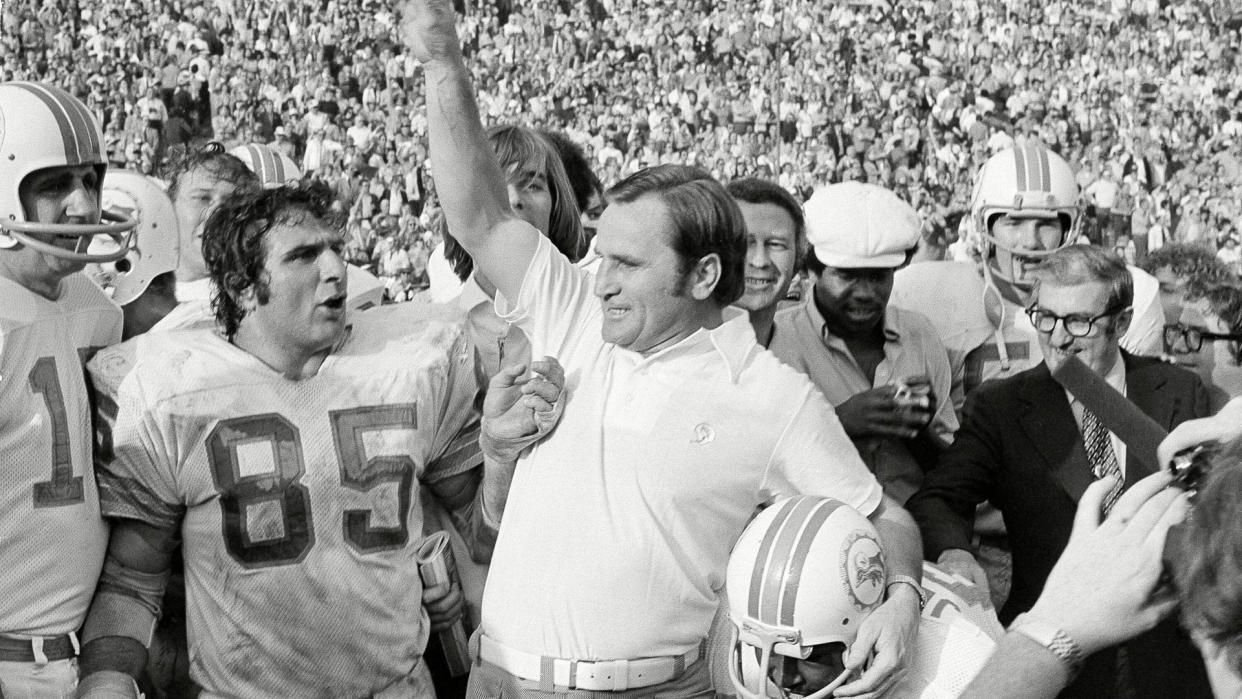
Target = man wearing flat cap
(884,369)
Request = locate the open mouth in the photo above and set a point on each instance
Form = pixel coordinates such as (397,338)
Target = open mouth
(335,303)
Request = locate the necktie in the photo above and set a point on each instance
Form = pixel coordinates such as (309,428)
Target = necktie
(1100,453)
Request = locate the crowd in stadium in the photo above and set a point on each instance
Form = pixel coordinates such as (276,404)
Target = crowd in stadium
(620,348)
(1141,99)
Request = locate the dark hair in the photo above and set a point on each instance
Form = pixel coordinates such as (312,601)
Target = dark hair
(234,240)
(212,158)
(1194,263)
(1082,264)
(521,149)
(1208,562)
(581,178)
(705,220)
(753,190)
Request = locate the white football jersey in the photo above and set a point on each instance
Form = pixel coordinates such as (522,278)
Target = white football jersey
(53,537)
(295,500)
(957,634)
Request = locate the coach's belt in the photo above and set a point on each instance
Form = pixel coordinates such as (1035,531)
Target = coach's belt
(592,675)
(38,650)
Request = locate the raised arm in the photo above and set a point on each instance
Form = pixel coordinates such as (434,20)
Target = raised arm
(468,177)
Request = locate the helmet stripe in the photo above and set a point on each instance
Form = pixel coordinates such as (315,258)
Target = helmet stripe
(797,558)
(1019,163)
(93,149)
(278,166)
(759,576)
(68,132)
(256,163)
(1045,175)
(776,570)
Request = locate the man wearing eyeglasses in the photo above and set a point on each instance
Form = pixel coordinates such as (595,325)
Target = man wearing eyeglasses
(1208,339)
(1028,446)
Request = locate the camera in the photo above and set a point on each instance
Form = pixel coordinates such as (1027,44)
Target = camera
(1190,466)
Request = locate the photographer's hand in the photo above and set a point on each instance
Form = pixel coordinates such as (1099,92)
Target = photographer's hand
(1224,426)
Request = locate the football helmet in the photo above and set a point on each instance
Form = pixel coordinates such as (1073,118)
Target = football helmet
(1029,181)
(155,248)
(806,572)
(42,126)
(274,169)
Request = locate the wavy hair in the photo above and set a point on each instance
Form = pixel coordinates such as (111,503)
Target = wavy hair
(235,241)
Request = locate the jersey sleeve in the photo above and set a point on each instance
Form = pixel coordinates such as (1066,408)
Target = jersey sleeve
(815,457)
(455,447)
(139,481)
(106,371)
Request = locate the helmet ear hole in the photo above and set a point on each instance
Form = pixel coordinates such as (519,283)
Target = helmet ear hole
(123,265)
(1067,222)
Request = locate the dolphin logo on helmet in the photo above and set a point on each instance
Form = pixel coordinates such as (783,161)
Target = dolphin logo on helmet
(156,241)
(57,130)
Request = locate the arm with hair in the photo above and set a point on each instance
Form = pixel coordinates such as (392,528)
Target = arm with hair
(126,605)
(469,180)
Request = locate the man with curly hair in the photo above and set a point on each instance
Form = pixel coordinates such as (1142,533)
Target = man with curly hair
(1178,265)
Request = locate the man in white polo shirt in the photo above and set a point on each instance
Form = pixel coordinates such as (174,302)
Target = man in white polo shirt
(676,425)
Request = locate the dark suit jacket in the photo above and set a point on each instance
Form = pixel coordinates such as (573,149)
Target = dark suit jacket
(1020,448)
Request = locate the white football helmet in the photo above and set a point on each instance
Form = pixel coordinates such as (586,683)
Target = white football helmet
(1029,181)
(156,240)
(274,169)
(42,126)
(806,571)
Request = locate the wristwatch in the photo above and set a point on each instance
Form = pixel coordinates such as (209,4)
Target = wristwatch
(1053,639)
(907,580)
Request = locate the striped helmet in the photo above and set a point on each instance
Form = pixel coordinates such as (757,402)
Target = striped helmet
(156,241)
(273,168)
(1029,181)
(806,572)
(42,127)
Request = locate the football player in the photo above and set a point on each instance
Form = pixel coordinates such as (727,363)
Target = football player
(51,318)
(281,454)
(1025,206)
(199,184)
(803,576)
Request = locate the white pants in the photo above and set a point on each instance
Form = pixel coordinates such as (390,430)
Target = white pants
(57,679)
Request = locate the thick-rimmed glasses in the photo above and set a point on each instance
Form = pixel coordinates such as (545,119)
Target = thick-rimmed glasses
(1193,337)
(1076,325)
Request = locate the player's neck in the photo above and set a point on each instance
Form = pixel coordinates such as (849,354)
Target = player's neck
(292,362)
(47,286)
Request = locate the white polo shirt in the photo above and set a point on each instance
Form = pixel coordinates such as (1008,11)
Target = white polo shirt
(618,526)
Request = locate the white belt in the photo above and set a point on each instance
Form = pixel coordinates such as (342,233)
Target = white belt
(593,675)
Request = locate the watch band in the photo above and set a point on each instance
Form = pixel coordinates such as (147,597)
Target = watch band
(1053,639)
(907,580)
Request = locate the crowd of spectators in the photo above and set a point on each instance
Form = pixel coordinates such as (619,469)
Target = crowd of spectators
(1141,97)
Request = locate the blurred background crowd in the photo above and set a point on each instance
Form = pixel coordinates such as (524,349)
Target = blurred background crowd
(1141,97)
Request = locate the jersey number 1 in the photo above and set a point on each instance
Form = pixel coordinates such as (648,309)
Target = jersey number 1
(64,488)
(242,494)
